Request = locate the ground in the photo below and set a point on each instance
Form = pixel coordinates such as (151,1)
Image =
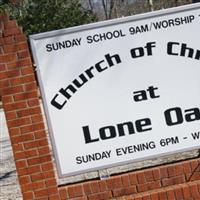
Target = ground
(9,186)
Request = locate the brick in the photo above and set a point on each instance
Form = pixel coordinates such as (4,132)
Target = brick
(125,180)
(16,139)
(187,168)
(133,178)
(37,118)
(95,187)
(12,48)
(22,80)
(137,198)
(141,178)
(63,193)
(51,182)
(37,177)
(14,132)
(31,153)
(33,102)
(75,191)
(146,197)
(155,196)
(16,81)
(12,31)
(20,38)
(79,198)
(3,75)
(1,38)
(30,87)
(115,182)
(155,185)
(173,180)
(23,54)
(43,198)
(163,195)
(10,24)
(194,176)
(17,147)
(26,96)
(22,171)
(40,134)
(28,195)
(19,122)
(170,194)
(171,171)
(32,128)
(19,155)
(15,106)
(124,191)
(52,190)
(41,193)
(2,67)
(44,150)
(163,172)
(87,189)
(6,58)
(148,186)
(28,112)
(54,197)
(24,138)
(12,90)
(8,40)
(27,70)
(24,180)
(103,185)
(22,45)
(33,186)
(194,165)
(12,73)
(149,175)
(39,160)
(178,193)
(11,115)
(7,99)
(34,169)
(100,196)
(198,187)
(194,191)
(143,187)
(179,169)
(21,164)
(4,17)
(20,63)
(186,192)
(28,137)
(49,174)
(37,143)
(47,166)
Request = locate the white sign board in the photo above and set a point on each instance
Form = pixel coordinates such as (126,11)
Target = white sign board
(123,90)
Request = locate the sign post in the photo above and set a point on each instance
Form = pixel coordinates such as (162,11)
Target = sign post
(122,90)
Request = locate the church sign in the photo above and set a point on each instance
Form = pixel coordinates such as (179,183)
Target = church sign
(123,90)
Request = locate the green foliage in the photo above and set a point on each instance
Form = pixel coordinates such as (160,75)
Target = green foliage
(44,15)
(4,6)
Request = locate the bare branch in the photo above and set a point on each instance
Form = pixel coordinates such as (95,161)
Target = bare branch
(104,3)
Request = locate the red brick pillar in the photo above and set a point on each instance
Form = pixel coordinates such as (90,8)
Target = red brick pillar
(20,99)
